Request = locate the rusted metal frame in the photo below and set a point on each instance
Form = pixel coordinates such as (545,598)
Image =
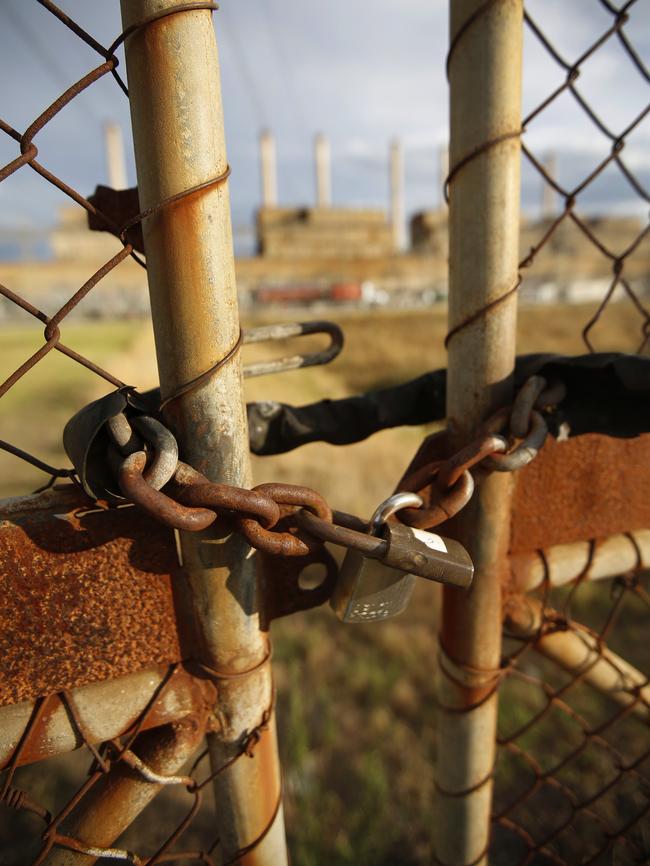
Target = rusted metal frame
(117,797)
(579,651)
(485,79)
(179,145)
(103,711)
(599,560)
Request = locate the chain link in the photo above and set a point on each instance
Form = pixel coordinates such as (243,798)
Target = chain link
(508,441)
(274,517)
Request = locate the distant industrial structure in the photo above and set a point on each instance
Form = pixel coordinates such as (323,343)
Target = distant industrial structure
(324,231)
(335,254)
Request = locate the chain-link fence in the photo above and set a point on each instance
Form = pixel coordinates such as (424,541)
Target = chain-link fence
(617,241)
(164,711)
(571,782)
(105,799)
(29,159)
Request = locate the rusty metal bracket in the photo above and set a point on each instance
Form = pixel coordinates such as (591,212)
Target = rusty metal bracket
(590,486)
(285,588)
(80,582)
(86,593)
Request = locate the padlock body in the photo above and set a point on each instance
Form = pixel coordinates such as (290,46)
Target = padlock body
(367,590)
(427,555)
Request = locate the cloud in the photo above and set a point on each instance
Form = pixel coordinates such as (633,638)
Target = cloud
(363,72)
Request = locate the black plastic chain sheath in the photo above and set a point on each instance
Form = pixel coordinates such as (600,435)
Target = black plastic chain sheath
(275,428)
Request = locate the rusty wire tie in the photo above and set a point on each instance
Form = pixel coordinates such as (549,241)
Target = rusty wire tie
(215,674)
(199,380)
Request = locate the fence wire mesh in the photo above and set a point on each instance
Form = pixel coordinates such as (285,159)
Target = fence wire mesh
(69,812)
(621,245)
(54,797)
(29,159)
(572,780)
(571,783)
(572,776)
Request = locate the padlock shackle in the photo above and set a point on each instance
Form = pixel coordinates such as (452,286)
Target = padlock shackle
(391,506)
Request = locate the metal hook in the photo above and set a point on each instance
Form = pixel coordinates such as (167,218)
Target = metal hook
(272,333)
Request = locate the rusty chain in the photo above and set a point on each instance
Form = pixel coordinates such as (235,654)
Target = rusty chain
(144,457)
(507,441)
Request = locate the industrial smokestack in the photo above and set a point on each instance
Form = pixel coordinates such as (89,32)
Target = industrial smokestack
(323,171)
(397,194)
(548,192)
(115,160)
(269,171)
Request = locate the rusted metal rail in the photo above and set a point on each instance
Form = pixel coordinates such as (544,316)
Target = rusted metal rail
(484,67)
(119,796)
(586,560)
(181,159)
(577,650)
(103,711)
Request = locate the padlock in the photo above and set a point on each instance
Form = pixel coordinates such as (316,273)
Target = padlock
(370,590)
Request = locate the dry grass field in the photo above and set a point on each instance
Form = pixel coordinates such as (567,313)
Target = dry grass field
(382,348)
(355,704)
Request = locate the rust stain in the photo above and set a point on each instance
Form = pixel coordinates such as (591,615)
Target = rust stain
(83,597)
(120,796)
(588,487)
(194,694)
(263,796)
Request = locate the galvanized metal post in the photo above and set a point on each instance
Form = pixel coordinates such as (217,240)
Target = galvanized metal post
(177,118)
(485,78)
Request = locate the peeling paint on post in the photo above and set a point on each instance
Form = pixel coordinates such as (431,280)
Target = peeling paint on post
(485,80)
(177,118)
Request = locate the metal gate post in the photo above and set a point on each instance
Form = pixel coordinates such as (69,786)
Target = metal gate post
(177,117)
(485,80)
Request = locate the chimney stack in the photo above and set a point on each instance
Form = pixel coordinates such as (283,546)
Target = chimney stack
(115,161)
(548,192)
(323,171)
(269,171)
(397,194)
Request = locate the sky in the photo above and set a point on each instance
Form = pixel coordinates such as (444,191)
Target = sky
(361,71)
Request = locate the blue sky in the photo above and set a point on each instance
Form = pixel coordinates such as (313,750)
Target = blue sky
(362,71)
